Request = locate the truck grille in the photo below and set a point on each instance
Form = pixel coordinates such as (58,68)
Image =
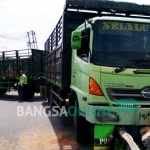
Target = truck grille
(119,94)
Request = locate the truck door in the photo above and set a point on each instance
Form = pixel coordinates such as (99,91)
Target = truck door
(80,67)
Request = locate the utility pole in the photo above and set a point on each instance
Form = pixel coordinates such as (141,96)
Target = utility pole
(32,44)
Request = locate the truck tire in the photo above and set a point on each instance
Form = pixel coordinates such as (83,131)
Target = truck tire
(70,103)
(81,128)
(3,91)
(30,91)
(20,93)
(30,94)
(50,97)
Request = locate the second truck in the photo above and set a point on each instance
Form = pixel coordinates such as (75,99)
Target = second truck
(98,66)
(12,62)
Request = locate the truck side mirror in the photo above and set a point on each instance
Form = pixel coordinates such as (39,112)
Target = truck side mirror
(76,40)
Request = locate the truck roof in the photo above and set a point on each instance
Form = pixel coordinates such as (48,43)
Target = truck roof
(121,18)
(117,18)
(119,6)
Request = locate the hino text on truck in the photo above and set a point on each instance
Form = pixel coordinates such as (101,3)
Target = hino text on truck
(98,66)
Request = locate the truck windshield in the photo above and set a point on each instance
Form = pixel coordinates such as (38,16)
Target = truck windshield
(116,42)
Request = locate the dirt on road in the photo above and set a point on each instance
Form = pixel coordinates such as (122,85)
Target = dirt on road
(41,140)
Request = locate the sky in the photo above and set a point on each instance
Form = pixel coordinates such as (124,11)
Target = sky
(17,17)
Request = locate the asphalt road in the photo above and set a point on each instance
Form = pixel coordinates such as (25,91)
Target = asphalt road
(26,126)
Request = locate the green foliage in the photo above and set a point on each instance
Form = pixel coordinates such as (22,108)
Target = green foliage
(119,145)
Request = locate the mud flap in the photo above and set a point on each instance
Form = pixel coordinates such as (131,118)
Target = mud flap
(102,136)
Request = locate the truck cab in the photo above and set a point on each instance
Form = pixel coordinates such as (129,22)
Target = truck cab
(110,72)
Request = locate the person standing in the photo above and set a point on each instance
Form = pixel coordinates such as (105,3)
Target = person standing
(43,88)
(23,84)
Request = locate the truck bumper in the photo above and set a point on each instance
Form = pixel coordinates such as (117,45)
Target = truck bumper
(118,115)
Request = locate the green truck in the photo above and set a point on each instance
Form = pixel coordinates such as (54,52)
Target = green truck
(12,62)
(98,66)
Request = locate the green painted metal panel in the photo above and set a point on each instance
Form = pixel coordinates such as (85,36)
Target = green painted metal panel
(101,134)
(103,131)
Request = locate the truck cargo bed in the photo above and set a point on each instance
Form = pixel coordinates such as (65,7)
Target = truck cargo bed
(58,47)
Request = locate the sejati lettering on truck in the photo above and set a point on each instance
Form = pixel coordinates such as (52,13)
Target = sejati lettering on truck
(98,64)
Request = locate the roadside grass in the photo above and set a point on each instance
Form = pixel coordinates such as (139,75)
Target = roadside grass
(119,146)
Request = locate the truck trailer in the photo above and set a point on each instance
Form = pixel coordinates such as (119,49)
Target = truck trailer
(12,62)
(98,67)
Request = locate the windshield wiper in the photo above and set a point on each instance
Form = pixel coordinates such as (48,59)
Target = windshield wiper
(134,61)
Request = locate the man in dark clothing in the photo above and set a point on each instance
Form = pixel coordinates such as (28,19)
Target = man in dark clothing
(43,88)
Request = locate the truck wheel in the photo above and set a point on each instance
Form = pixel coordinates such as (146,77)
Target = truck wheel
(3,91)
(20,93)
(81,129)
(70,103)
(51,97)
(70,117)
(30,94)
